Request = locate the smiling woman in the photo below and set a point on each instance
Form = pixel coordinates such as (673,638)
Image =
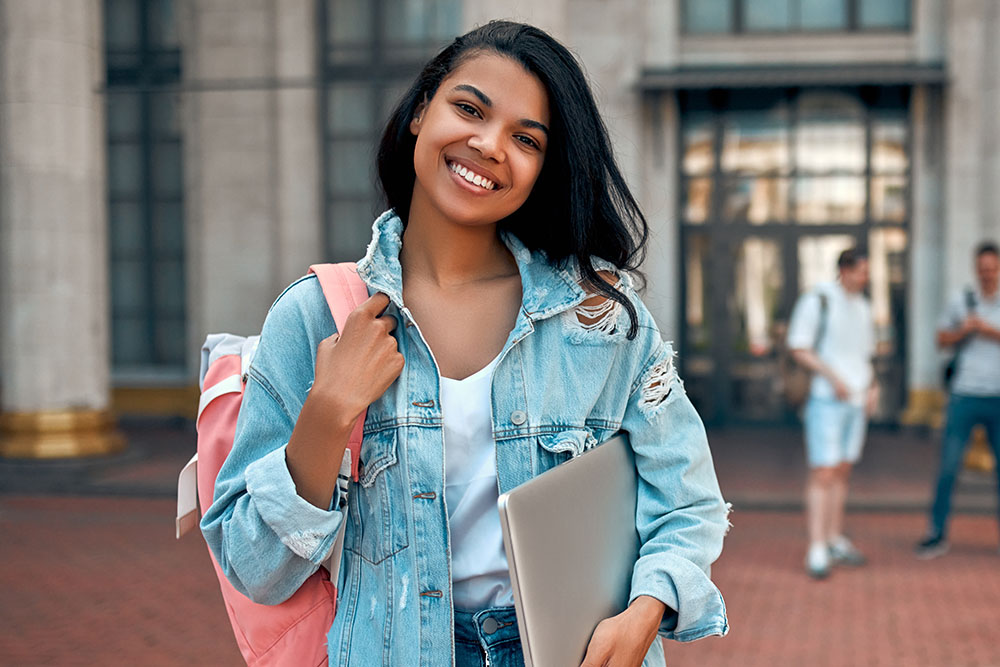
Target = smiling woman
(503,324)
(487,122)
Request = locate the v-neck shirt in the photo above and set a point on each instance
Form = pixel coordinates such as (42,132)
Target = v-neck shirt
(479,572)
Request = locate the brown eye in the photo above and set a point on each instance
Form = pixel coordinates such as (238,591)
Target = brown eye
(468,108)
(528,141)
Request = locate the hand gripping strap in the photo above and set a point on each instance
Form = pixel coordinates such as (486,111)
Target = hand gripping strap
(344,291)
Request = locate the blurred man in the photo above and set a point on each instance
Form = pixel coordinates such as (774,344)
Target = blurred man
(832,334)
(971,325)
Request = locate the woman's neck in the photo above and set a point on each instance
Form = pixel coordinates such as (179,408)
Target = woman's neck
(451,255)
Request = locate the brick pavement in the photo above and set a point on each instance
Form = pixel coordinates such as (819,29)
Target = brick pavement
(896,611)
(101,581)
(90,573)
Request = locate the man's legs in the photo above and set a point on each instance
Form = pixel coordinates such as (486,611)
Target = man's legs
(819,512)
(834,435)
(820,502)
(842,474)
(854,427)
(991,420)
(960,419)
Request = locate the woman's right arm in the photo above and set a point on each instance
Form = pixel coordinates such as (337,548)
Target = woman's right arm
(265,526)
(352,370)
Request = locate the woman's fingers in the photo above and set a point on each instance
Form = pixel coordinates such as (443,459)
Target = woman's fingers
(355,366)
(374,305)
(599,648)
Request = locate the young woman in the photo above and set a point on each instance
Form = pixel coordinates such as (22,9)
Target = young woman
(503,337)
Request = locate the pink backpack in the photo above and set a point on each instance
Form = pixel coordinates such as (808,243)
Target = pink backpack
(293,632)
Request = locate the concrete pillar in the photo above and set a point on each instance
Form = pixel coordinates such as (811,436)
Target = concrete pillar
(660,25)
(252,169)
(664,267)
(54,328)
(925,289)
(972,209)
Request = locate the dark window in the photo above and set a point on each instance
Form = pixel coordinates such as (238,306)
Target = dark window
(372,50)
(145,193)
(768,16)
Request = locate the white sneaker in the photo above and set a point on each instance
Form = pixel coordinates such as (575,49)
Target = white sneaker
(818,561)
(843,552)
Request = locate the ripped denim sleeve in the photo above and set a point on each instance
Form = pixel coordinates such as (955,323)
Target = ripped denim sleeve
(681,516)
(659,383)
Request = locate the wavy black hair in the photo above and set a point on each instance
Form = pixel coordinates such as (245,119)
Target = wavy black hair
(580,206)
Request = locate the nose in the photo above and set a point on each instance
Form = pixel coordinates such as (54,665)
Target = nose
(488,142)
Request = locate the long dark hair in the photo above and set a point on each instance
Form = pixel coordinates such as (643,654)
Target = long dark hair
(580,206)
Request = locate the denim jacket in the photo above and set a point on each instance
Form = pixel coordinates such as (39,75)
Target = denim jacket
(563,384)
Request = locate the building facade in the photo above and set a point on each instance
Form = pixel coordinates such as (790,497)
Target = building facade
(168,166)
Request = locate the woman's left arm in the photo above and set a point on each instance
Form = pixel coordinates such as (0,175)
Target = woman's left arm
(681,519)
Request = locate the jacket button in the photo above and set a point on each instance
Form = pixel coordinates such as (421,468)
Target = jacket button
(518,417)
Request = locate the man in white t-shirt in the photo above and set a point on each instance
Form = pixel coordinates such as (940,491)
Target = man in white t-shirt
(970,325)
(832,334)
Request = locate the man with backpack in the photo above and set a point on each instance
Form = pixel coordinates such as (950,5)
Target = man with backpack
(970,325)
(832,334)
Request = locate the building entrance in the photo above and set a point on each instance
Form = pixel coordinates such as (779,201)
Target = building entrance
(774,186)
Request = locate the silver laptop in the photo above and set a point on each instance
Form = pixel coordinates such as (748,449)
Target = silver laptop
(571,544)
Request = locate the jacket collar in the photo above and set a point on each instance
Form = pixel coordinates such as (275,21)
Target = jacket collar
(546,289)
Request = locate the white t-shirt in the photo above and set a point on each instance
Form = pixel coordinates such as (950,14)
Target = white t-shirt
(846,344)
(977,371)
(479,573)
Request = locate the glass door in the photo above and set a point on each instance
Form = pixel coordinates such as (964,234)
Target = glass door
(776,184)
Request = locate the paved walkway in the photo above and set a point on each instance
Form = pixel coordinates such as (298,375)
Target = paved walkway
(90,573)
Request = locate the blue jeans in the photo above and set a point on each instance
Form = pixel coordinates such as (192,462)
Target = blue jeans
(964,412)
(491,630)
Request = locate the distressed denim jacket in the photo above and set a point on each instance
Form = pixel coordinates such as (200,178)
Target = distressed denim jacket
(564,383)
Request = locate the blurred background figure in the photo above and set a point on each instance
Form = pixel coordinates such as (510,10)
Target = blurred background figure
(832,334)
(971,326)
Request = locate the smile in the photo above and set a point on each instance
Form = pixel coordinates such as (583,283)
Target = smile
(472,177)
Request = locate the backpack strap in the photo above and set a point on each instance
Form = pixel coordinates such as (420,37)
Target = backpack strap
(823,315)
(344,291)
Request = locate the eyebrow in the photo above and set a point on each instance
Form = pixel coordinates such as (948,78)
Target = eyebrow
(526,122)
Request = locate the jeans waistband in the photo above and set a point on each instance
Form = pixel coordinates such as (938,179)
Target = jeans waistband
(487,627)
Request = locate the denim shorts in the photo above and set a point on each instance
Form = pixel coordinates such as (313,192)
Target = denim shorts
(492,631)
(835,432)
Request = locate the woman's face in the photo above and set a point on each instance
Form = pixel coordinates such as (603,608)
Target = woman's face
(481,142)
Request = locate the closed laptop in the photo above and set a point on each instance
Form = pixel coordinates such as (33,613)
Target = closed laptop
(571,544)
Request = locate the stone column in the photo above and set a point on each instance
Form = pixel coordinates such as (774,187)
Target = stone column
(926,293)
(54,329)
(251,154)
(972,209)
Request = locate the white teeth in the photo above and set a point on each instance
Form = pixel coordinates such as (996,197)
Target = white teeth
(471,176)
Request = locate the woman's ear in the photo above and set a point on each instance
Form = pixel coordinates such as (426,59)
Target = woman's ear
(418,115)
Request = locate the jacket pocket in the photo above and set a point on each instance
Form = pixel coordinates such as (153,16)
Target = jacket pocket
(557,448)
(378,506)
